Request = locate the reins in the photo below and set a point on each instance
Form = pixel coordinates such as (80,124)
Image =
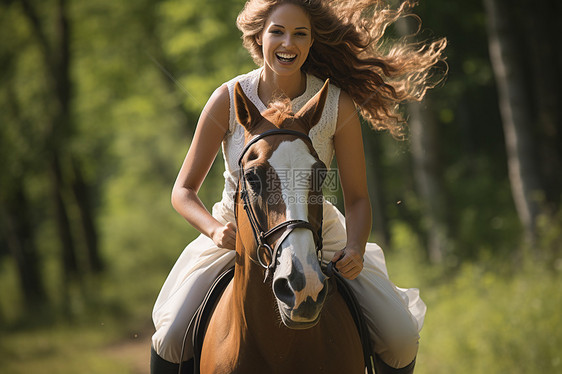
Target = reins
(261,236)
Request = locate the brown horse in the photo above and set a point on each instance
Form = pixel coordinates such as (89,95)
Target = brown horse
(292,324)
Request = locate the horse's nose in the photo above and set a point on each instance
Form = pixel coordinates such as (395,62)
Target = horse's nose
(283,292)
(301,286)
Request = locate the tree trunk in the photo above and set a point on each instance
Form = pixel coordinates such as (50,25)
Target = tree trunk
(68,250)
(57,59)
(83,195)
(516,114)
(428,178)
(18,231)
(542,31)
(424,135)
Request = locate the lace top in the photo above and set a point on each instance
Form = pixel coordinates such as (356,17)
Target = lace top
(321,135)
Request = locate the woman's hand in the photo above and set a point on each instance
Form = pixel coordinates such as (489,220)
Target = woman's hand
(225,236)
(348,262)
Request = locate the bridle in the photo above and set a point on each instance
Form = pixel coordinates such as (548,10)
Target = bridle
(261,236)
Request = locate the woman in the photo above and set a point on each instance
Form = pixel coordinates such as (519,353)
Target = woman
(297,45)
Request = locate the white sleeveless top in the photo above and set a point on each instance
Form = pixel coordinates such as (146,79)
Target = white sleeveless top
(321,135)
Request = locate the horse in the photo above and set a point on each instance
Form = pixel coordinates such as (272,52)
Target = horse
(279,313)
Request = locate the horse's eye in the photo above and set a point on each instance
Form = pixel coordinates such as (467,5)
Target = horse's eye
(252,155)
(254,181)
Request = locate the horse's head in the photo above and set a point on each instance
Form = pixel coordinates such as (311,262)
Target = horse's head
(279,208)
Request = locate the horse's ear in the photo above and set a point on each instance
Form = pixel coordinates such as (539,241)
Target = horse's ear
(311,112)
(246,112)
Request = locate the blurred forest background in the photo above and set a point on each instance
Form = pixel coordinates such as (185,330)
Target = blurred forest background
(99,100)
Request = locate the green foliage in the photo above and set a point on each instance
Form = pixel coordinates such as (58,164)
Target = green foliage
(487,316)
(549,239)
(492,323)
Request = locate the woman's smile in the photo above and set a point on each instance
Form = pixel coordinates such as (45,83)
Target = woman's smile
(286,57)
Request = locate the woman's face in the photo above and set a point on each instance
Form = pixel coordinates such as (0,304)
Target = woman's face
(286,39)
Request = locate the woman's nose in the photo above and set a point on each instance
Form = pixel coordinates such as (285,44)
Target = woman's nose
(287,41)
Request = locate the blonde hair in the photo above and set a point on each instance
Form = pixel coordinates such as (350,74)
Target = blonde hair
(349,49)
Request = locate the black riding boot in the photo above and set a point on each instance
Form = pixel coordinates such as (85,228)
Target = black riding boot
(160,366)
(382,368)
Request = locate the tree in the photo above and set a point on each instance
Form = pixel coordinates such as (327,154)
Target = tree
(428,175)
(18,135)
(43,181)
(67,180)
(525,75)
(427,169)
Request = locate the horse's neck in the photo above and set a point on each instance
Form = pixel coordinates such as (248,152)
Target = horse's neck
(253,298)
(255,310)
(245,331)
(249,336)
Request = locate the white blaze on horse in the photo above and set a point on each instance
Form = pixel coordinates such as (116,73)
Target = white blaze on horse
(295,323)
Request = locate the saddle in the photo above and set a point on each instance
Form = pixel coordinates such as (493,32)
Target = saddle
(203,314)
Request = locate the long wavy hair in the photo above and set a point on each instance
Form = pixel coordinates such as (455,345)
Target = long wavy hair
(349,48)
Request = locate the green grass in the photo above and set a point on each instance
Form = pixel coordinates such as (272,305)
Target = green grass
(63,350)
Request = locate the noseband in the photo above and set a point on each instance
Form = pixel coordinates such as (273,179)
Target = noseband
(261,236)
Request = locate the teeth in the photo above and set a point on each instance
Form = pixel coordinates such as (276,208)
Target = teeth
(287,56)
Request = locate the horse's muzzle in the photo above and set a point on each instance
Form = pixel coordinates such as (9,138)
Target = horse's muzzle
(304,315)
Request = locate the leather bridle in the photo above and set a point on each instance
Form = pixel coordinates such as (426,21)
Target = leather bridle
(261,236)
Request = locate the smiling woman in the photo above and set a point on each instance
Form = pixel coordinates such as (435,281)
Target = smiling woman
(285,41)
(298,45)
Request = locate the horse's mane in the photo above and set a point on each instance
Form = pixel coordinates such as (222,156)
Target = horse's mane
(279,110)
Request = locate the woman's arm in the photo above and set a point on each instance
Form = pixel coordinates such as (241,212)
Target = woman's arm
(211,129)
(348,144)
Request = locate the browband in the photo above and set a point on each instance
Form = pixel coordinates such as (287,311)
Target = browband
(268,133)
